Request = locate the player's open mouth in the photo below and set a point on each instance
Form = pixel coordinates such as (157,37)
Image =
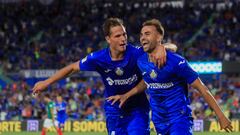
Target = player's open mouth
(122,45)
(144,43)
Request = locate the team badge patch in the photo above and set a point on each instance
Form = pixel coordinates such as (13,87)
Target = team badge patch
(119,71)
(153,74)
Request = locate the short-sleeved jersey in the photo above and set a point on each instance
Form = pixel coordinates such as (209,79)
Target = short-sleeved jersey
(168,87)
(61,110)
(50,105)
(118,77)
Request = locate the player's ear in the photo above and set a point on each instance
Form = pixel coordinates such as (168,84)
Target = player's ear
(159,38)
(107,39)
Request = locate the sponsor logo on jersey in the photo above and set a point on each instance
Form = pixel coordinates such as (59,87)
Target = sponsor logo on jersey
(110,81)
(159,85)
(127,81)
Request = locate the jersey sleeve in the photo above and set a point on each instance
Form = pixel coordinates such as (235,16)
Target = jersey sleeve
(88,63)
(183,70)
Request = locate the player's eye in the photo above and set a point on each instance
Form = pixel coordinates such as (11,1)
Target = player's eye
(147,33)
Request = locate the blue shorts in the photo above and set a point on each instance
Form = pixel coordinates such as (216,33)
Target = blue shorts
(135,123)
(182,126)
(61,122)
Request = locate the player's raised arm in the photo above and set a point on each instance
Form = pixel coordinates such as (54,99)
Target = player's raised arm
(223,120)
(141,86)
(62,73)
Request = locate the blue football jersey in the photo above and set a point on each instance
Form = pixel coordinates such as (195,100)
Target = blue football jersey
(168,87)
(118,76)
(61,110)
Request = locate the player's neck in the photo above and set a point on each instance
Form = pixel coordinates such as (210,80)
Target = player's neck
(150,58)
(116,55)
(152,53)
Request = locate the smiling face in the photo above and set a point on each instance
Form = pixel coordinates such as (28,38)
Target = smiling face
(151,35)
(150,38)
(117,38)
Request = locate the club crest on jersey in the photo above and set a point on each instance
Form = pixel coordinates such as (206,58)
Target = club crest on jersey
(153,74)
(119,71)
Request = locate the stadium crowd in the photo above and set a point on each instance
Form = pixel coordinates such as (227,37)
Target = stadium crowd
(84,100)
(48,37)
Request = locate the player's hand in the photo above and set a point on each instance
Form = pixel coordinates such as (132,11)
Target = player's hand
(39,86)
(121,98)
(170,46)
(159,58)
(225,124)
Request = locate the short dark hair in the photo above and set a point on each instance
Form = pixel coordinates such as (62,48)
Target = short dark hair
(156,23)
(109,23)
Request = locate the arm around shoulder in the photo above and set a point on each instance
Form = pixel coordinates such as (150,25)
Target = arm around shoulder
(170,46)
(64,72)
(60,74)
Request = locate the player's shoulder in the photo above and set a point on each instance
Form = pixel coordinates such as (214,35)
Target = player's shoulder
(174,58)
(135,50)
(99,53)
(132,46)
(142,59)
